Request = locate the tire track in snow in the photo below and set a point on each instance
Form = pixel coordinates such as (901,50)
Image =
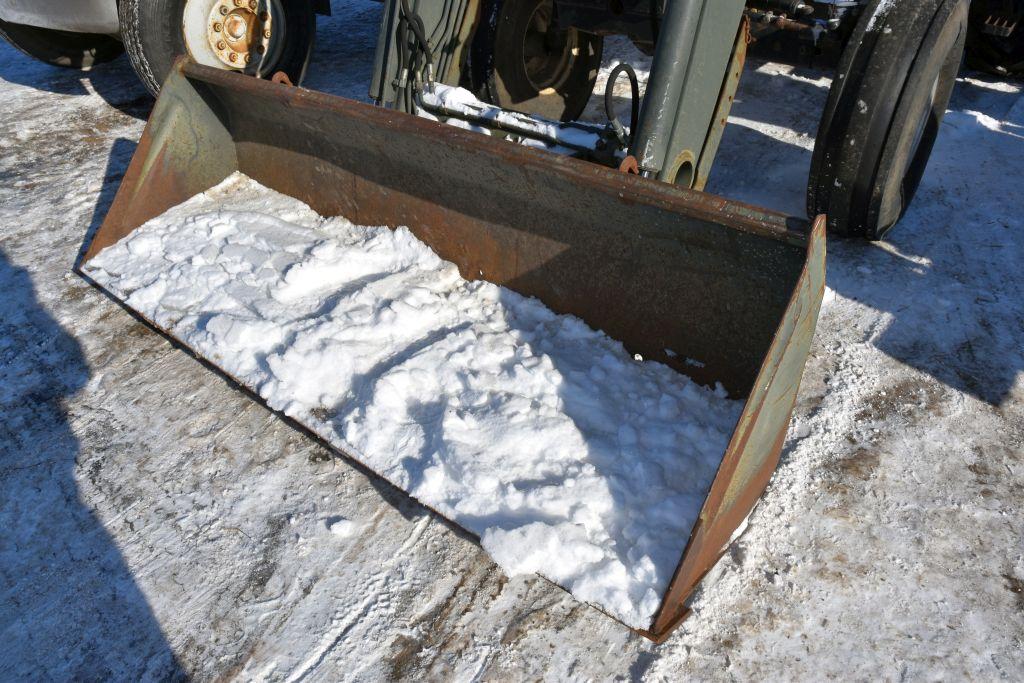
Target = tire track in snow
(377,585)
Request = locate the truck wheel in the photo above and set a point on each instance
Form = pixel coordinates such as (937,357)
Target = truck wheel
(534,67)
(238,36)
(883,113)
(62,48)
(995,39)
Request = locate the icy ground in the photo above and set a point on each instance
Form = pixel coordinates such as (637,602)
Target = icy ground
(566,456)
(158,523)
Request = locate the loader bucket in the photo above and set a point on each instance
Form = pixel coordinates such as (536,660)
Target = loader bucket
(653,266)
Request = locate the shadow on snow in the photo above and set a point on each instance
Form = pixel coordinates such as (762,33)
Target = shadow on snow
(69,606)
(948,275)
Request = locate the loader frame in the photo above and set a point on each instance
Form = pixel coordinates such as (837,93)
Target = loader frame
(698,57)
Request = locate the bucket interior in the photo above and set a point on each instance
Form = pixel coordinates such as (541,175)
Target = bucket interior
(685,278)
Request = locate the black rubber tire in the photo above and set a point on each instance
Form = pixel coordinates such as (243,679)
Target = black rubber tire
(506,80)
(1001,56)
(153,38)
(883,113)
(62,48)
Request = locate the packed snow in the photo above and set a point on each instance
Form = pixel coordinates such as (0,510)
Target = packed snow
(566,456)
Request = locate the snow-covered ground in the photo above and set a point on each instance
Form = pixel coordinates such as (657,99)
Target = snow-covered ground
(158,523)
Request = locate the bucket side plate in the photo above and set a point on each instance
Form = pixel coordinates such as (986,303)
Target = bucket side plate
(756,444)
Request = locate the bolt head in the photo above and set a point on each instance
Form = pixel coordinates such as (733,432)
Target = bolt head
(236,27)
(266,34)
(233,57)
(223,10)
(218,27)
(221,45)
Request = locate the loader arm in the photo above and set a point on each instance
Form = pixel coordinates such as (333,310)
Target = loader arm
(697,63)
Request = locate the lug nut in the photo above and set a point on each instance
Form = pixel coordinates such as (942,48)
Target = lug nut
(248,58)
(252,5)
(238,3)
(233,57)
(218,27)
(223,10)
(260,49)
(264,17)
(221,45)
(266,34)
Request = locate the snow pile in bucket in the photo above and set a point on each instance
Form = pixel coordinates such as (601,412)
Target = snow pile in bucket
(564,454)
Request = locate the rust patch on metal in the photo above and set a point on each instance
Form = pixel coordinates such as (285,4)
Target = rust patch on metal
(630,165)
(281,78)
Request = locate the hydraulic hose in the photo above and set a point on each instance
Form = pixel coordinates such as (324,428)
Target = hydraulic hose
(414,54)
(609,104)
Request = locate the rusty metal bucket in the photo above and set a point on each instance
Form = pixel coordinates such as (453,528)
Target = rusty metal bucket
(654,266)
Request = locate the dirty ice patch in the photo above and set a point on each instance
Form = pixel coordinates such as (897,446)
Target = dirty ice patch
(565,455)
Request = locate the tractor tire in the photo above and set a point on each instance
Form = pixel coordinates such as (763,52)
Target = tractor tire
(998,48)
(154,37)
(62,48)
(883,113)
(531,66)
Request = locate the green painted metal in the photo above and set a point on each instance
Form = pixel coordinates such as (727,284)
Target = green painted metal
(691,63)
(688,94)
(720,118)
(448,25)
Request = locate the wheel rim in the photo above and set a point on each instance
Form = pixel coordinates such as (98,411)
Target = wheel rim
(241,35)
(547,52)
